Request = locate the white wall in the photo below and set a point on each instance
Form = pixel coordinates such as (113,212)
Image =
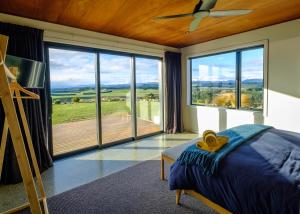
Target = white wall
(282,106)
(75,36)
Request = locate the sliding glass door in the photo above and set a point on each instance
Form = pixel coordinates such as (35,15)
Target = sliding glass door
(148,96)
(99,98)
(115,83)
(72,80)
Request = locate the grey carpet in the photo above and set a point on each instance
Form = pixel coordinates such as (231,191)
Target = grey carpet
(137,189)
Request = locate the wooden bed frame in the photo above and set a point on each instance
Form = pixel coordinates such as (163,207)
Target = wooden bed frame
(192,193)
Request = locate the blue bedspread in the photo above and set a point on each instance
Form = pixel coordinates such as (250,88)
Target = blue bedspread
(209,161)
(260,176)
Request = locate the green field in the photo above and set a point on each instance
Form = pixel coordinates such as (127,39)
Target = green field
(63,113)
(91,94)
(66,109)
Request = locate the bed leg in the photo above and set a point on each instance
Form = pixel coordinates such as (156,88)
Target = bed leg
(162,168)
(178,195)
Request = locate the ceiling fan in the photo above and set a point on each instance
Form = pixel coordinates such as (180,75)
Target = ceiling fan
(204,9)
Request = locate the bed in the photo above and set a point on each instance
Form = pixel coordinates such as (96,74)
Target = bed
(260,176)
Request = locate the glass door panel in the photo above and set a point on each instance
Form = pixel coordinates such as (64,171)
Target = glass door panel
(148,96)
(115,83)
(72,76)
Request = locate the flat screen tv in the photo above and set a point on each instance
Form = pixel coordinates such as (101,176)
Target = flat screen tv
(31,74)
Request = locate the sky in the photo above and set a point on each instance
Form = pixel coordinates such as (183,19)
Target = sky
(222,67)
(74,68)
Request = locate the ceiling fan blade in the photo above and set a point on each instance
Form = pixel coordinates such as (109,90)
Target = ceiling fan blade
(220,13)
(194,24)
(198,17)
(198,6)
(174,16)
(208,4)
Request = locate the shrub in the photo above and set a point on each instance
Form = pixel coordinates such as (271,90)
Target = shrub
(57,102)
(150,96)
(245,101)
(225,99)
(76,99)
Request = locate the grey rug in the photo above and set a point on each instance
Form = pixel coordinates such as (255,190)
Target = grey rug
(137,189)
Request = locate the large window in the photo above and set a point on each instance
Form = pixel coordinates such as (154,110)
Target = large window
(233,79)
(101,97)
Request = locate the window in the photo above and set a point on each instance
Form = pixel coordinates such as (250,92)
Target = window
(213,80)
(252,76)
(232,79)
(107,96)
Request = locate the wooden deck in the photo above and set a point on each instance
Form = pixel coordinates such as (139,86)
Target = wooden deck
(73,136)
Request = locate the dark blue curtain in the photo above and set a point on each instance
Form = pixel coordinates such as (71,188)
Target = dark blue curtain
(27,43)
(173,92)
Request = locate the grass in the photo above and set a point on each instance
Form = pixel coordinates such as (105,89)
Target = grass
(86,108)
(91,94)
(64,113)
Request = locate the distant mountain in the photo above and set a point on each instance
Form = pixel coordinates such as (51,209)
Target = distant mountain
(62,85)
(226,83)
(252,81)
(72,89)
(58,87)
(148,85)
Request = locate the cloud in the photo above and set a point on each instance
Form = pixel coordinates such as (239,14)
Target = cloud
(222,67)
(74,68)
(117,70)
(213,73)
(147,70)
(252,68)
(71,68)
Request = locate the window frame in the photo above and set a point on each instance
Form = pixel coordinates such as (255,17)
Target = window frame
(98,52)
(238,52)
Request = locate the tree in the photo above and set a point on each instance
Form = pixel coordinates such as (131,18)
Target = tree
(76,99)
(57,102)
(245,101)
(150,96)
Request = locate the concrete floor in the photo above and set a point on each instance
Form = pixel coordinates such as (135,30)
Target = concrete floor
(74,171)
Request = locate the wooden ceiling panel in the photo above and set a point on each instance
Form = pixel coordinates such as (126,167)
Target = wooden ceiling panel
(49,11)
(96,19)
(135,18)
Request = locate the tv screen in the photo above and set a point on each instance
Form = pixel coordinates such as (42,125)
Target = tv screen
(31,74)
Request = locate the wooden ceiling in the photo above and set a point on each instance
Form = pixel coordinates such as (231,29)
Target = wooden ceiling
(135,18)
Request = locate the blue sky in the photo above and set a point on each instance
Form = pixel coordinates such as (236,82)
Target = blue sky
(73,68)
(222,67)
